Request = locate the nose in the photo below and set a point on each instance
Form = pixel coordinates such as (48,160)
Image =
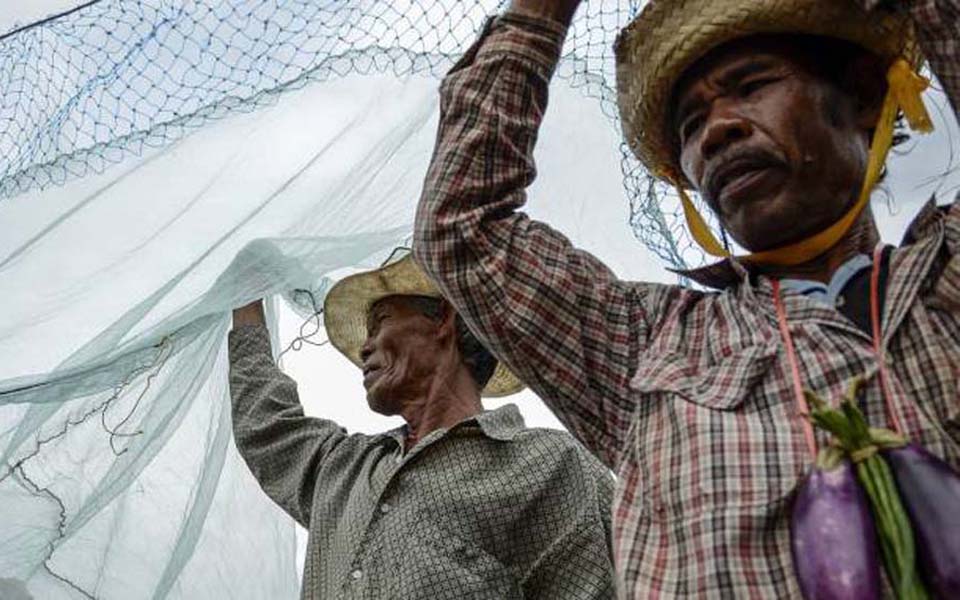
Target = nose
(366,350)
(722,130)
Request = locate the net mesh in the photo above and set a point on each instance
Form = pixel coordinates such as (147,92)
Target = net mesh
(85,89)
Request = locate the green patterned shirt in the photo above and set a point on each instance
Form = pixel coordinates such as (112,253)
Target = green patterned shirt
(485,509)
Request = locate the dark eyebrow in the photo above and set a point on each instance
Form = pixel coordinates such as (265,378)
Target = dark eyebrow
(738,73)
(727,80)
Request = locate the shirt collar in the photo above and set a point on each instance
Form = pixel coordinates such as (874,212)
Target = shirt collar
(830,291)
(729,271)
(719,275)
(926,221)
(502,424)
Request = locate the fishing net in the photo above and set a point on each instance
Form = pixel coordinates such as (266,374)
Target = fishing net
(163,162)
(87,88)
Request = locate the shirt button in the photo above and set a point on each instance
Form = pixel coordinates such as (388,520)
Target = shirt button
(356,574)
(384,508)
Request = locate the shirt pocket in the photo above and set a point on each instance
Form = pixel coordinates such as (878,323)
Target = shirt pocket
(720,384)
(706,439)
(441,565)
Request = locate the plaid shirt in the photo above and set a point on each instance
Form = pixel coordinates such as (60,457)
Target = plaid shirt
(486,509)
(686,394)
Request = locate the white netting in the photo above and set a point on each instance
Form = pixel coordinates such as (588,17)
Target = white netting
(164,162)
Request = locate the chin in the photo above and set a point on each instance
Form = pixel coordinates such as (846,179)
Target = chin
(795,211)
(380,405)
(777,223)
(766,237)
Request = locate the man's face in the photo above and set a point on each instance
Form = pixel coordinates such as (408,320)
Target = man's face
(401,353)
(777,152)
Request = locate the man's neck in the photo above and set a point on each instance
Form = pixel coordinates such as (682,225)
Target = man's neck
(448,400)
(861,239)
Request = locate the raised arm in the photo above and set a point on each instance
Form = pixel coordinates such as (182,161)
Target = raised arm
(559,11)
(283,448)
(556,315)
(937,24)
(938,29)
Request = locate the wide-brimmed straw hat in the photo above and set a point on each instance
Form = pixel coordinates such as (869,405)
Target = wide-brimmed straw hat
(348,302)
(669,36)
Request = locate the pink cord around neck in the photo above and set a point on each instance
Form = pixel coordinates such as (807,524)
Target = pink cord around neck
(803,410)
(878,347)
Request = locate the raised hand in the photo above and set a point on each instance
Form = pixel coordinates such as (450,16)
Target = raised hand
(559,10)
(251,314)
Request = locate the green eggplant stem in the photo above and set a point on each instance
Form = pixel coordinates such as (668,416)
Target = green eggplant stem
(854,439)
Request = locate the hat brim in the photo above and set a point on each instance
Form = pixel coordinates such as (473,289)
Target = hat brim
(668,37)
(348,302)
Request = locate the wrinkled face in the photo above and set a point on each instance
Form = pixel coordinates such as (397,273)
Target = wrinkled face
(401,354)
(778,152)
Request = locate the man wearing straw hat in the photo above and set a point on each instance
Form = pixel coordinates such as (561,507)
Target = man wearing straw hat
(780,113)
(458,503)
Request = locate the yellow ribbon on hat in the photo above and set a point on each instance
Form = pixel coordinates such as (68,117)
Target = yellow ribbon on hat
(904,92)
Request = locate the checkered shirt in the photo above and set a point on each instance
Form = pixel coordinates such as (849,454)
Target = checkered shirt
(684,393)
(487,509)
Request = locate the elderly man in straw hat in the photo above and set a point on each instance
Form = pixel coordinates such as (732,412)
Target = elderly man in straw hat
(779,113)
(458,503)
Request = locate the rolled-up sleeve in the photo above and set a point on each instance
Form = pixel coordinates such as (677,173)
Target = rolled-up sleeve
(937,24)
(938,29)
(554,314)
(283,448)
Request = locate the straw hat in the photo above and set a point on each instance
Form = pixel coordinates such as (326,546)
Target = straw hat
(348,302)
(668,36)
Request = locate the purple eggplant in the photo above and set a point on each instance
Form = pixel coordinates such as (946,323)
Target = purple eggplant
(853,438)
(832,534)
(930,490)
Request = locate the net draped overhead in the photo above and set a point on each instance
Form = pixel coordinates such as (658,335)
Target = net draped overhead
(112,79)
(163,162)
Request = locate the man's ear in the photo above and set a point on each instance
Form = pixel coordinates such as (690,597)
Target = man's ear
(448,320)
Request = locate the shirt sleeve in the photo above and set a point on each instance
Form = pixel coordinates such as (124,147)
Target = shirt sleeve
(283,448)
(578,561)
(937,24)
(946,292)
(556,315)
(938,28)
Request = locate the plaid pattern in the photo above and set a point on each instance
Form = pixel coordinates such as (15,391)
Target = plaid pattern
(938,29)
(487,509)
(684,393)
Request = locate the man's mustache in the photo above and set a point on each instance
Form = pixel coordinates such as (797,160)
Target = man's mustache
(726,167)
